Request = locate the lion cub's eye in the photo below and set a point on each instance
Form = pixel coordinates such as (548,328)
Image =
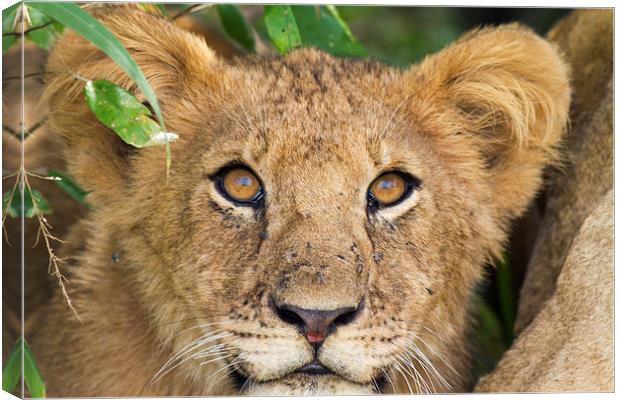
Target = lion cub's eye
(239,185)
(390,189)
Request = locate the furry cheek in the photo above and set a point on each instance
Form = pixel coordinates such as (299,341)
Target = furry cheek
(337,355)
(266,359)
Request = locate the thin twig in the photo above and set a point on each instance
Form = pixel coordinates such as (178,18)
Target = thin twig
(34,28)
(9,130)
(27,132)
(10,175)
(11,78)
(44,231)
(190,9)
(34,127)
(49,178)
(54,260)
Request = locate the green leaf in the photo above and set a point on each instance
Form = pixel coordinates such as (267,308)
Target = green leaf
(32,375)
(282,27)
(66,183)
(322,27)
(235,25)
(119,110)
(8,17)
(12,370)
(506,298)
(487,339)
(43,37)
(33,202)
(7,203)
(73,17)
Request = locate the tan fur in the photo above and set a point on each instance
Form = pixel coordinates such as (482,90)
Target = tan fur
(565,316)
(476,123)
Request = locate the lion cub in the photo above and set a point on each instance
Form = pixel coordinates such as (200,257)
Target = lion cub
(323,225)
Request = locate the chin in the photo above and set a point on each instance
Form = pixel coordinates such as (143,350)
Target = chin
(300,384)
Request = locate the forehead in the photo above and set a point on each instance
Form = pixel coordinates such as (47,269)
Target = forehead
(310,106)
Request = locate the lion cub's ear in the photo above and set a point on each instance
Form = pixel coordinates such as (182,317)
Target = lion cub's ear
(506,92)
(174,61)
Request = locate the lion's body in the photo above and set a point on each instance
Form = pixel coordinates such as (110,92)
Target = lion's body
(159,265)
(565,320)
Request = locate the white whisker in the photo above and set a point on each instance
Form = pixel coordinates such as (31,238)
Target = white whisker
(173,362)
(396,365)
(387,376)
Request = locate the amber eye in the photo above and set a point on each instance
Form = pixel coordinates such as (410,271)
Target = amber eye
(390,189)
(240,185)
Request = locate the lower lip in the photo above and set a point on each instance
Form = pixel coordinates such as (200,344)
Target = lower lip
(314,368)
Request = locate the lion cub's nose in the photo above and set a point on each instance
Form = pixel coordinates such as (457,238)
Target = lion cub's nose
(316,325)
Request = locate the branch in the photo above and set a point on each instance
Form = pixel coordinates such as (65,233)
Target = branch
(27,132)
(10,78)
(34,28)
(190,9)
(54,260)
(9,130)
(34,127)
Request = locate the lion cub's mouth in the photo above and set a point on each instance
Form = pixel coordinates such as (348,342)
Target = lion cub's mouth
(314,368)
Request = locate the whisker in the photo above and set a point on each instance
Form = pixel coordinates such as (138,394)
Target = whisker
(427,361)
(396,365)
(412,350)
(442,359)
(205,325)
(207,352)
(387,376)
(228,367)
(411,370)
(215,359)
(197,343)
(412,363)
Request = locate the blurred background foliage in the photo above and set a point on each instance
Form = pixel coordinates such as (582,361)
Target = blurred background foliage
(403,35)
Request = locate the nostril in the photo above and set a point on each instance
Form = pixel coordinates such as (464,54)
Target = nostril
(347,317)
(290,317)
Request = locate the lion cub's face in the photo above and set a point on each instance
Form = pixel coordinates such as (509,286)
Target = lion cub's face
(320,234)
(325,219)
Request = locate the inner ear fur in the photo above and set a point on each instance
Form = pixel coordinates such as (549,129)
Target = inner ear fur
(167,55)
(507,91)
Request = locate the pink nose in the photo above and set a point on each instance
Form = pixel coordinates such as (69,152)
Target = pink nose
(314,337)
